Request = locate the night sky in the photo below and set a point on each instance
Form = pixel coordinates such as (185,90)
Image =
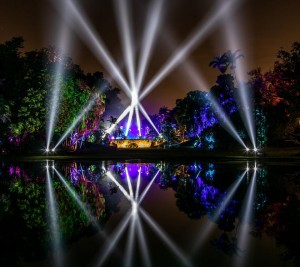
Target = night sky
(263,26)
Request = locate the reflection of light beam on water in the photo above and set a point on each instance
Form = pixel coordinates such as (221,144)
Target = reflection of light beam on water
(245,221)
(156,228)
(138,185)
(143,243)
(135,213)
(129,184)
(77,200)
(54,226)
(210,224)
(130,241)
(147,188)
(227,199)
(197,36)
(110,176)
(113,240)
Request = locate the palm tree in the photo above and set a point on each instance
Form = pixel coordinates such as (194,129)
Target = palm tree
(222,62)
(112,120)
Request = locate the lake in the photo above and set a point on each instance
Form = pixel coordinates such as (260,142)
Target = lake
(162,213)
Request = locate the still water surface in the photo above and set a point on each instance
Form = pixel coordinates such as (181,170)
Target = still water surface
(149,214)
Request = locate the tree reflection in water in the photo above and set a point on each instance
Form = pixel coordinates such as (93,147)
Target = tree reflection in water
(199,190)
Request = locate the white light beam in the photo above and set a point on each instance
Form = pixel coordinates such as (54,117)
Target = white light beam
(194,39)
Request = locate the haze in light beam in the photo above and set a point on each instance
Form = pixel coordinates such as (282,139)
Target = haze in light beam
(53,219)
(149,36)
(77,120)
(90,37)
(224,120)
(195,38)
(55,94)
(243,93)
(125,32)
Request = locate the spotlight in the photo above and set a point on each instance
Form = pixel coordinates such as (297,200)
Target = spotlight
(47,150)
(255,167)
(247,149)
(53,149)
(255,149)
(134,207)
(47,166)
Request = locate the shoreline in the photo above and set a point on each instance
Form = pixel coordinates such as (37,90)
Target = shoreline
(290,154)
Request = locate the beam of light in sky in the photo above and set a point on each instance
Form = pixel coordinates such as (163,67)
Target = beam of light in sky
(125,31)
(147,117)
(53,219)
(89,35)
(137,116)
(210,224)
(163,235)
(245,221)
(147,188)
(224,120)
(243,93)
(75,197)
(55,94)
(187,66)
(85,110)
(149,36)
(121,117)
(129,120)
(196,37)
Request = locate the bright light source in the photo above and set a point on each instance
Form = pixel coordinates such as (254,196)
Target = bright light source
(134,207)
(255,149)
(247,149)
(134,98)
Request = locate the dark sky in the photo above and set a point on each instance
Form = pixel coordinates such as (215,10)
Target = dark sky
(262,27)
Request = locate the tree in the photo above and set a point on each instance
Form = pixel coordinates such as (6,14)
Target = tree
(277,95)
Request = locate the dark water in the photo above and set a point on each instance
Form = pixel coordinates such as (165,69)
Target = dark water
(149,214)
